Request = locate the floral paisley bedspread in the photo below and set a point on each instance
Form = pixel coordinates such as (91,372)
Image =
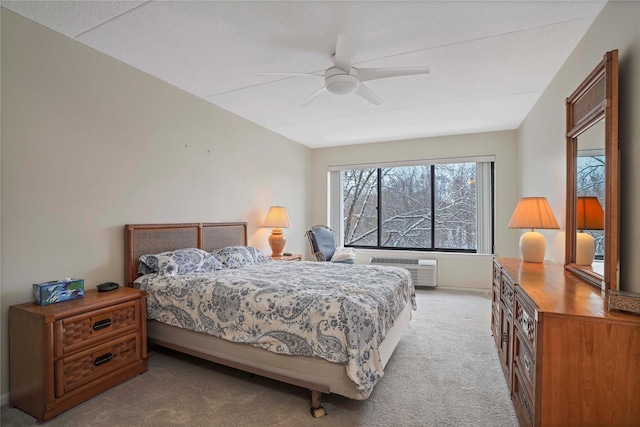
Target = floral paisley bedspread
(337,312)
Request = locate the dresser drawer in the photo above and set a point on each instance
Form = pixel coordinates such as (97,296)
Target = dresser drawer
(495,295)
(88,329)
(522,401)
(525,361)
(525,321)
(507,291)
(94,363)
(497,274)
(495,325)
(505,345)
(495,305)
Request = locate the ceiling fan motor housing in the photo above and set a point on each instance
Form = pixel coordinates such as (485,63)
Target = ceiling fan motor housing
(340,82)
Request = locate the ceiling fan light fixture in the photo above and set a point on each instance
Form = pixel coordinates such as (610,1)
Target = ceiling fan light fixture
(340,82)
(342,86)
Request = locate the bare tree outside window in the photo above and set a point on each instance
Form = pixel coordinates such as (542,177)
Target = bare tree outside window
(410,216)
(406,207)
(360,198)
(455,206)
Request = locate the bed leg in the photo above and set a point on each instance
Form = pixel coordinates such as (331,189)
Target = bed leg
(317,411)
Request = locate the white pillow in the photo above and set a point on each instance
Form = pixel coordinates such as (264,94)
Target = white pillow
(344,255)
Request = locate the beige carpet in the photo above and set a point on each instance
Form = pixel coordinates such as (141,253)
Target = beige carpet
(444,372)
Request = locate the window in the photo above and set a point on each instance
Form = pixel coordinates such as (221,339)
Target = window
(442,206)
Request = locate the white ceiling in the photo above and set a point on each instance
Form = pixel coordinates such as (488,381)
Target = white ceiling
(489,61)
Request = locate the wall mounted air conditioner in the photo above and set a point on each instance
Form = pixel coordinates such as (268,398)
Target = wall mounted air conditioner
(424,272)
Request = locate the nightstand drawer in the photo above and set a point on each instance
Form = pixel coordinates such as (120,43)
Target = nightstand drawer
(94,363)
(87,329)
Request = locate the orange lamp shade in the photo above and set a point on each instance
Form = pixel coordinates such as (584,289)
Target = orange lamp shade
(589,214)
(533,212)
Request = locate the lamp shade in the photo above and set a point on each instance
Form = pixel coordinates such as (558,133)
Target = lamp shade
(533,212)
(277,218)
(589,214)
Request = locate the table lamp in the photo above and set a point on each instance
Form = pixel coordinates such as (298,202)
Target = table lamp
(533,212)
(589,216)
(278,219)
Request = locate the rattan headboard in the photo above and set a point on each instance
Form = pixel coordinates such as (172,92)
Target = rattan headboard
(143,239)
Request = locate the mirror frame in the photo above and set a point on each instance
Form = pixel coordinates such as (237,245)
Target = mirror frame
(595,99)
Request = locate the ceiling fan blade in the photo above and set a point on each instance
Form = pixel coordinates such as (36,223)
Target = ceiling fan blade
(314,96)
(368,94)
(342,58)
(291,74)
(367,74)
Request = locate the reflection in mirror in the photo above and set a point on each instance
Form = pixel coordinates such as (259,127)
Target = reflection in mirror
(590,192)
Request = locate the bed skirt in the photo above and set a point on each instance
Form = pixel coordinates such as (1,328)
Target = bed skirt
(310,372)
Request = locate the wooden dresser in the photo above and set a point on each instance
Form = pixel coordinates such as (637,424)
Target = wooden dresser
(63,354)
(568,361)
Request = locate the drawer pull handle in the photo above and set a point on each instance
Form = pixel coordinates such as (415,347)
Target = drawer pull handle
(101,324)
(101,360)
(526,405)
(527,363)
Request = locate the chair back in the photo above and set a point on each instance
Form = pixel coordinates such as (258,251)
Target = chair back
(323,242)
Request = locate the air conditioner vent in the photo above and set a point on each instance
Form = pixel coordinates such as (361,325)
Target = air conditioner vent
(424,272)
(393,261)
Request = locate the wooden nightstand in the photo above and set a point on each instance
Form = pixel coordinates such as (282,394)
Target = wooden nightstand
(63,354)
(292,257)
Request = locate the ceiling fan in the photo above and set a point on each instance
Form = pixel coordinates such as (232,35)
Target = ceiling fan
(343,79)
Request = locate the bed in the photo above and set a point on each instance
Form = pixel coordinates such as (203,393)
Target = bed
(301,368)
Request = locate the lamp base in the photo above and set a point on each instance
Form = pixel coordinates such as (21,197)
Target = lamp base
(585,248)
(277,242)
(533,246)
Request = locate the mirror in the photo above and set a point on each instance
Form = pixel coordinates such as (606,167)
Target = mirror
(591,250)
(590,190)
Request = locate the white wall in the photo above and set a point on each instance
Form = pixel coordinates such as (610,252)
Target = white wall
(477,268)
(90,144)
(541,136)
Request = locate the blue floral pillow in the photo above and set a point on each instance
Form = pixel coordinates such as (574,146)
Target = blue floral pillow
(239,256)
(258,256)
(181,261)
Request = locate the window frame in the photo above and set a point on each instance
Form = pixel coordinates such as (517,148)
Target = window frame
(485,202)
